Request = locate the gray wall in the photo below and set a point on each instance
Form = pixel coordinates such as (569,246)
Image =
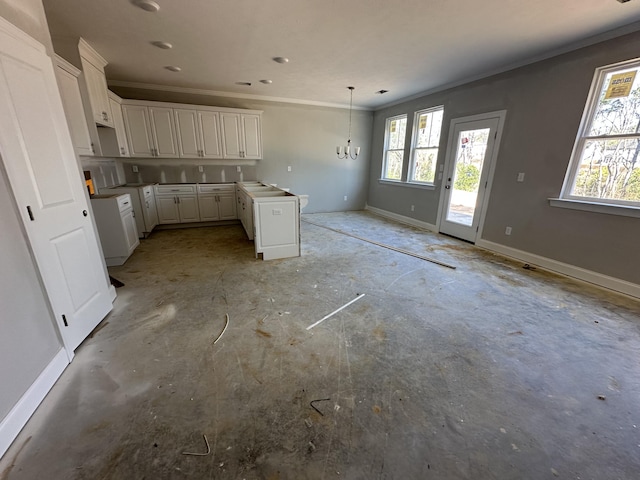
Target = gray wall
(544,103)
(28,16)
(28,339)
(301,136)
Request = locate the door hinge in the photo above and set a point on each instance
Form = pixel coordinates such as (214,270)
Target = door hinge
(30,213)
(64,320)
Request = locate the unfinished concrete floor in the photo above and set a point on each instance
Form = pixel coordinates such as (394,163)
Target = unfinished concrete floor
(489,371)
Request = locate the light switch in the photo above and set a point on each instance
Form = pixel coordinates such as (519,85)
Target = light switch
(134,168)
(200,168)
(238,169)
(521,177)
(289,168)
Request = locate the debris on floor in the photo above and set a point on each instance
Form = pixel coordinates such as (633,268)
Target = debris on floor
(200,454)
(319,400)
(226,324)
(360,295)
(383,245)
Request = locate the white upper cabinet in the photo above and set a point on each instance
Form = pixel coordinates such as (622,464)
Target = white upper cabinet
(173,130)
(163,131)
(138,128)
(189,144)
(198,133)
(150,131)
(251,136)
(231,146)
(93,68)
(67,77)
(241,135)
(118,124)
(209,124)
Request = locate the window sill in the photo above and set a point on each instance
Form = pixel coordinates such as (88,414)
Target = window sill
(587,206)
(399,183)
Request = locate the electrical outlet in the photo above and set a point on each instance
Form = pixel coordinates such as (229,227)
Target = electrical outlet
(238,169)
(200,168)
(520,177)
(413,208)
(289,168)
(345,198)
(134,168)
(507,231)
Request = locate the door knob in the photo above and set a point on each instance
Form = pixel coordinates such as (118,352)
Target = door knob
(85,213)
(447,187)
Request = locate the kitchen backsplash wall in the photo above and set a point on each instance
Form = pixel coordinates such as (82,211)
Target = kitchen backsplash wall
(105,172)
(181,173)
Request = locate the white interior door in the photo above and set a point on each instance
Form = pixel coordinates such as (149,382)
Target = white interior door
(36,149)
(471,153)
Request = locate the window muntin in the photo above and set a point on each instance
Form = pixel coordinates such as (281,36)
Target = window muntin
(605,165)
(427,125)
(395,132)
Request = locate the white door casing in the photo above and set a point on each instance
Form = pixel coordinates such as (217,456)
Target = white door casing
(470,230)
(39,159)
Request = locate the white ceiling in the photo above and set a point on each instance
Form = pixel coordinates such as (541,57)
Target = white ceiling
(404,46)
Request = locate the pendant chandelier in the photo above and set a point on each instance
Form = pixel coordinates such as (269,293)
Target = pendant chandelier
(347,148)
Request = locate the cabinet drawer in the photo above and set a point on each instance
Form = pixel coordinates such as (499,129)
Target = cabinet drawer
(147,192)
(124,202)
(216,188)
(175,189)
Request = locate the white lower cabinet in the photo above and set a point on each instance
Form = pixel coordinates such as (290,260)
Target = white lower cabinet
(116,226)
(177,203)
(216,202)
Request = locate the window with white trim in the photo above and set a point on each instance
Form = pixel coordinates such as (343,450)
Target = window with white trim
(395,132)
(605,164)
(427,125)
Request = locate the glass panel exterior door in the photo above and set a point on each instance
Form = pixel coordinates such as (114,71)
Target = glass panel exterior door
(471,150)
(470,153)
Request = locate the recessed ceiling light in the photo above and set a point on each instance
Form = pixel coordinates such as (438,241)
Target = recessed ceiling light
(281,59)
(244,84)
(266,82)
(173,68)
(147,5)
(163,45)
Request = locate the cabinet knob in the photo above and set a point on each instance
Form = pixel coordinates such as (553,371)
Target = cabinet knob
(85,213)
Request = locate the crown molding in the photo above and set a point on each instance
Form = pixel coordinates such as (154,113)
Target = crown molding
(217,93)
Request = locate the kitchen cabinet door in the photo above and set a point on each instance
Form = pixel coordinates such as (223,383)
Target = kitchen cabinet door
(188,208)
(230,126)
(67,77)
(187,133)
(210,142)
(163,131)
(251,136)
(208,208)
(138,128)
(227,207)
(118,125)
(97,86)
(167,210)
(150,212)
(130,231)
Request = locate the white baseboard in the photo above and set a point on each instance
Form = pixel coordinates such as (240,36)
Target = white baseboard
(402,219)
(17,418)
(589,276)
